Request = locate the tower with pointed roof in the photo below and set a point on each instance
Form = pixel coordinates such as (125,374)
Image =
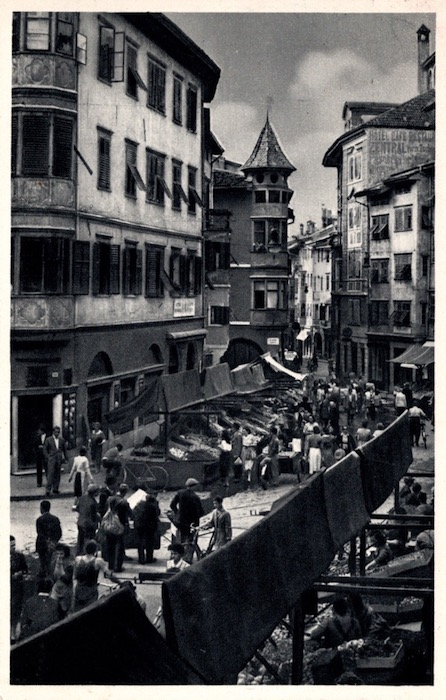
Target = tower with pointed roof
(259,197)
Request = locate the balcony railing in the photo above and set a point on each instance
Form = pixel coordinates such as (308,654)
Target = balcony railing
(42,192)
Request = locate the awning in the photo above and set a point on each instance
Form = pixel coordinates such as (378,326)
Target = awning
(181,390)
(303,334)
(217,381)
(146,401)
(243,379)
(416,355)
(278,367)
(186,335)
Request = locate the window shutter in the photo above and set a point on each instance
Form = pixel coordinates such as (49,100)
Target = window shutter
(14,141)
(35,145)
(198,271)
(114,269)
(104,163)
(125,271)
(138,276)
(184,268)
(62,147)
(81,267)
(96,268)
(151,276)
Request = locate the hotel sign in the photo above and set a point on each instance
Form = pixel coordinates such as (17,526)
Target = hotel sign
(393,150)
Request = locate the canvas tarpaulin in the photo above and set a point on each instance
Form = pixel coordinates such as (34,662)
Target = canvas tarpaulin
(217,381)
(416,355)
(146,401)
(220,610)
(258,375)
(384,461)
(278,367)
(109,643)
(181,390)
(243,380)
(344,499)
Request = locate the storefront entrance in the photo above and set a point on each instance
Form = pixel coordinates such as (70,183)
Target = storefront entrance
(33,411)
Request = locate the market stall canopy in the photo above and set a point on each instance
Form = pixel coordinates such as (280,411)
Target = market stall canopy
(217,381)
(278,367)
(416,355)
(243,379)
(145,402)
(181,389)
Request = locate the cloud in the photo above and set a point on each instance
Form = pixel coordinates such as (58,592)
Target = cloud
(237,126)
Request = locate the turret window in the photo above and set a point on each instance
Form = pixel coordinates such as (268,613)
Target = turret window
(260,196)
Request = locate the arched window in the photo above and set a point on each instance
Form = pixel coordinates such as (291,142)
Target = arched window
(101,366)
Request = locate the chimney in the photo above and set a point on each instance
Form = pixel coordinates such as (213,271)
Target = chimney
(423,54)
(301,226)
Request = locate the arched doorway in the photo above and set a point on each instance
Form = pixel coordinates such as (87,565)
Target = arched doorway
(98,400)
(241,351)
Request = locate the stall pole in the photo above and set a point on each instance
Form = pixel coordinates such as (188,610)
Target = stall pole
(352,557)
(298,643)
(362,548)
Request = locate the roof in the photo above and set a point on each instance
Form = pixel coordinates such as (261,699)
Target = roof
(223,178)
(368,107)
(408,175)
(413,114)
(177,44)
(268,152)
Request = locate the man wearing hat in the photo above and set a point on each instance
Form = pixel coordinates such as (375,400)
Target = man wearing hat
(188,508)
(88,520)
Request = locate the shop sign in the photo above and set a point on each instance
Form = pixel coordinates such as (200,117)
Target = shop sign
(272,341)
(183,307)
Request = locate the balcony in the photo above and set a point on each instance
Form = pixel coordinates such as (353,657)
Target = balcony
(42,313)
(269,317)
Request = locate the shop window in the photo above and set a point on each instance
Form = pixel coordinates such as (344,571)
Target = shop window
(157,86)
(403,218)
(380,227)
(177,113)
(81,267)
(154,268)
(106,267)
(104,159)
(219,316)
(191,107)
(401,313)
(403,266)
(44,265)
(156,184)
(131,271)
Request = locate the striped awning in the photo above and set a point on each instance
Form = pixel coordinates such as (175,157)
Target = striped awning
(417,355)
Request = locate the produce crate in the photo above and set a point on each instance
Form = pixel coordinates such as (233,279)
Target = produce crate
(378,662)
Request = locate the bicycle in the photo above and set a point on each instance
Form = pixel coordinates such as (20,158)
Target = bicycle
(192,548)
(143,475)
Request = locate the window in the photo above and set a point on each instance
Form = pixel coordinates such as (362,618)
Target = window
(354,264)
(217,255)
(380,227)
(65,33)
(355,165)
(219,316)
(403,218)
(46,145)
(106,53)
(427,217)
(194,198)
(423,305)
(354,311)
(176,270)
(132,271)
(177,114)
(81,267)
(260,196)
(401,313)
(197,274)
(104,148)
(379,313)
(327,282)
(178,192)
(424,265)
(37,36)
(403,266)
(156,184)
(157,86)
(154,268)
(106,266)
(380,271)
(270,294)
(16,31)
(44,265)
(191,107)
(134,80)
(274,196)
(132,177)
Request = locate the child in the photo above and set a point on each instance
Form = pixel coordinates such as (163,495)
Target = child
(82,474)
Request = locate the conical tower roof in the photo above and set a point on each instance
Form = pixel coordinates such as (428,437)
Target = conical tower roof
(268,153)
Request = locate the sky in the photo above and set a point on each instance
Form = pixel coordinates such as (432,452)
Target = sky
(310,64)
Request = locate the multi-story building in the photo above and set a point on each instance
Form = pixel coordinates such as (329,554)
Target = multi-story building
(390,145)
(258,196)
(311,265)
(107,193)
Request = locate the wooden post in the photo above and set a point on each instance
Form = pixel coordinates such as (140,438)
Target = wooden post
(362,548)
(352,557)
(396,495)
(298,619)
